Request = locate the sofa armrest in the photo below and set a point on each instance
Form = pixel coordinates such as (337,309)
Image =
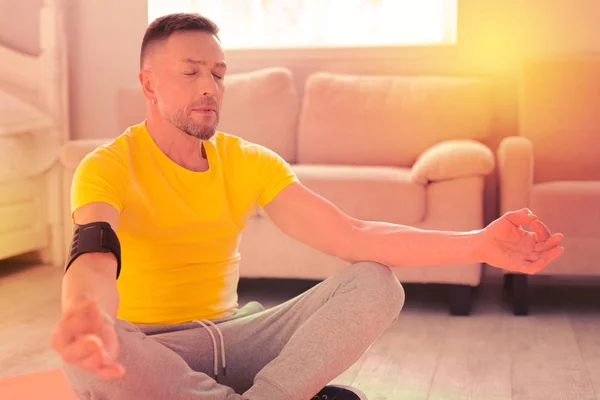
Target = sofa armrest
(515,172)
(74,151)
(452,159)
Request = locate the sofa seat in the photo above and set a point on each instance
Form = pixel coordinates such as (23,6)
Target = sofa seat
(367,192)
(563,205)
(268,253)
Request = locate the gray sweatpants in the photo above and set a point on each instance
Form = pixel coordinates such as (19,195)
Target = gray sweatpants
(288,352)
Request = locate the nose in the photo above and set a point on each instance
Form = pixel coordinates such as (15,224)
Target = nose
(208,85)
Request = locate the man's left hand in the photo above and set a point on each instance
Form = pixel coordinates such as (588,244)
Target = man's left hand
(505,244)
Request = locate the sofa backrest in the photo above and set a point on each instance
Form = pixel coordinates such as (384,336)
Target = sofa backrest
(388,120)
(559,111)
(260,106)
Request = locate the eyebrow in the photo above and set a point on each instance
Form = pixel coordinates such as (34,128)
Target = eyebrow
(220,64)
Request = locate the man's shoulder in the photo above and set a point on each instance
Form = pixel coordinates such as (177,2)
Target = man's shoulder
(235,146)
(228,141)
(115,151)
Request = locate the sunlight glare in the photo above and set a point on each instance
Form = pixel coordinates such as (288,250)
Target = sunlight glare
(321,23)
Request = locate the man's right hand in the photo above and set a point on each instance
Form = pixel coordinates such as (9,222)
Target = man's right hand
(86,338)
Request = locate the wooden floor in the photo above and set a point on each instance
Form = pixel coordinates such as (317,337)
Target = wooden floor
(552,354)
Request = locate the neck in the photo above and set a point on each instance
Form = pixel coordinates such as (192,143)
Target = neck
(183,149)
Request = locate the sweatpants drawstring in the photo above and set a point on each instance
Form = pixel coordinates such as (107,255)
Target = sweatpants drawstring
(204,323)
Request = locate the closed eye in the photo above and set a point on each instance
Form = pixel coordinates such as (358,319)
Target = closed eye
(217,76)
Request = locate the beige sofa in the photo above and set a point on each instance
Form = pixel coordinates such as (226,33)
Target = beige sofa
(399,149)
(553,166)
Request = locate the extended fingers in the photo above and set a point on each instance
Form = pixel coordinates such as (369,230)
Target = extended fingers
(89,354)
(111,342)
(539,260)
(86,352)
(111,371)
(553,253)
(550,243)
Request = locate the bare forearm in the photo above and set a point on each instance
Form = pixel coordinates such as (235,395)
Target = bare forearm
(398,245)
(92,276)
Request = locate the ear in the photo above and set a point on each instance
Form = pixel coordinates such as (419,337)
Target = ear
(147,81)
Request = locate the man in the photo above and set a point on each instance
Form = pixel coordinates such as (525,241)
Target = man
(173,194)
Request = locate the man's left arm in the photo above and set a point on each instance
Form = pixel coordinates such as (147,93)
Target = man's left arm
(316,222)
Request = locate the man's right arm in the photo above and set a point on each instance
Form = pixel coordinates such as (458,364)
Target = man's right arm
(92,276)
(86,334)
(84,337)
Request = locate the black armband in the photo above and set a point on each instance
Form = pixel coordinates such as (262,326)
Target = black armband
(95,237)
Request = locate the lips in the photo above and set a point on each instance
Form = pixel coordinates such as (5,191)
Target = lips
(206,109)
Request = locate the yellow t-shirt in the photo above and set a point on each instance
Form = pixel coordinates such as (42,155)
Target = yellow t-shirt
(179,230)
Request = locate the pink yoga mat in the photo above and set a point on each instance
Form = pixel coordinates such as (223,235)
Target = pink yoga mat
(44,385)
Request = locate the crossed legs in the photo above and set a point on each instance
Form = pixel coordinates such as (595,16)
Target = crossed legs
(288,352)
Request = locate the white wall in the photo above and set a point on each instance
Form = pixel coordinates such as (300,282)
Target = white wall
(104,39)
(19,25)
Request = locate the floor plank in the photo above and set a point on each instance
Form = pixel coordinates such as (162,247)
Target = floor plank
(30,306)
(546,360)
(550,376)
(397,375)
(401,363)
(587,332)
(475,361)
(464,375)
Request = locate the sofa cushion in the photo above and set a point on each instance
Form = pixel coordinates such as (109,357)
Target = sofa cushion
(570,207)
(369,192)
(262,107)
(453,159)
(387,120)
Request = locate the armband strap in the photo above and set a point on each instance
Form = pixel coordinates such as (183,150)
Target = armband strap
(95,237)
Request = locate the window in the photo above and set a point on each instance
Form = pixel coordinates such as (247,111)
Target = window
(260,24)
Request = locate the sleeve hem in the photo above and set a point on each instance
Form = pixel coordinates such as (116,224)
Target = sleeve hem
(83,203)
(269,196)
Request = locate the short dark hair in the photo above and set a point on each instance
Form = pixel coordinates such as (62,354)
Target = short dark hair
(163,27)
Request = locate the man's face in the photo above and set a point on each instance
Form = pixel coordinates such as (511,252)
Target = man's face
(188,71)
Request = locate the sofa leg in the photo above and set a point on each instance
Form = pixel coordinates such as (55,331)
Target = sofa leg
(507,282)
(520,295)
(461,299)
